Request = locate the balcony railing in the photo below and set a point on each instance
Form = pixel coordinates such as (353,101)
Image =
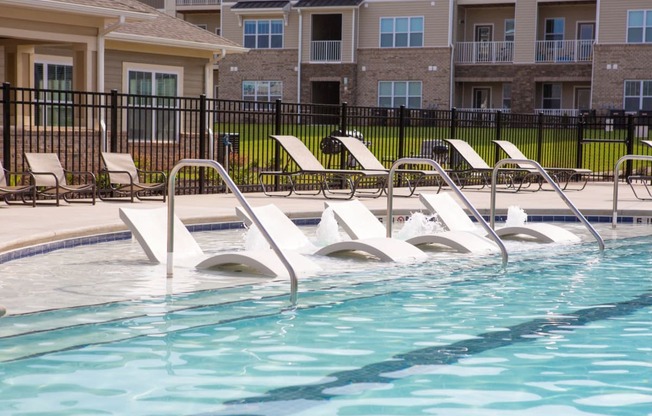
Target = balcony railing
(326,51)
(484,52)
(564,51)
(199,2)
(558,111)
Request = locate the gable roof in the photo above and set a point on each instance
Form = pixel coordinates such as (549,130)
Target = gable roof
(327,3)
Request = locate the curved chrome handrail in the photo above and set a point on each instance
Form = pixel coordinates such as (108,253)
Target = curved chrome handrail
(553,184)
(620,161)
(236,192)
(454,187)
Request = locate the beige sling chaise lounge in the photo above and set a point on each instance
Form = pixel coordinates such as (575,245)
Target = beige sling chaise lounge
(563,176)
(308,166)
(50,178)
(23,187)
(126,180)
(369,162)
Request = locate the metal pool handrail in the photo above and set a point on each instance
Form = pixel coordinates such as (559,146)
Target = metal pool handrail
(236,192)
(454,187)
(546,176)
(620,161)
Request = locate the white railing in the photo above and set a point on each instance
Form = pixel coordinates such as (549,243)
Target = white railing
(558,111)
(199,2)
(326,51)
(484,52)
(483,110)
(564,51)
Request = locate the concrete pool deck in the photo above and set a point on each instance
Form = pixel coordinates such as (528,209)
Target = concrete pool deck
(24,226)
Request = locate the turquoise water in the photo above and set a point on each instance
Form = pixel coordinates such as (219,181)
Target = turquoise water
(560,330)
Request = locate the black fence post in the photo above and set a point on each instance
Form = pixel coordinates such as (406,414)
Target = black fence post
(499,133)
(114,120)
(343,119)
(401,131)
(202,142)
(6,126)
(539,136)
(629,144)
(277,147)
(580,138)
(453,126)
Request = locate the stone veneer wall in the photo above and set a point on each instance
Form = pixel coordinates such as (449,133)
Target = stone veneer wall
(405,64)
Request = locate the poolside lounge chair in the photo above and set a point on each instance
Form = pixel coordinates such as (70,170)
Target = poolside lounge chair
(126,180)
(50,178)
(369,162)
(308,166)
(453,217)
(149,228)
(563,176)
(360,223)
(289,237)
(24,187)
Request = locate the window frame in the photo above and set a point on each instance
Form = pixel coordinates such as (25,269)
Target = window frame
(257,36)
(394,97)
(410,34)
(645,29)
(553,36)
(551,99)
(53,103)
(640,96)
(259,104)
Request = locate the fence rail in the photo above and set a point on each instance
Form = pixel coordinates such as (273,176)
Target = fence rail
(159,131)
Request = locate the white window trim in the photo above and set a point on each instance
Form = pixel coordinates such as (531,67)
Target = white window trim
(256,82)
(380,32)
(563,33)
(270,20)
(627,27)
(407,97)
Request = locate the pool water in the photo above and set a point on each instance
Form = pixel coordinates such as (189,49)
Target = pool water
(560,330)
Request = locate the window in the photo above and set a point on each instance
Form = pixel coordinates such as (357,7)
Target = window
(152,105)
(509,30)
(638,95)
(397,93)
(267,91)
(263,34)
(401,32)
(202,26)
(507,95)
(554,29)
(639,26)
(551,96)
(54,107)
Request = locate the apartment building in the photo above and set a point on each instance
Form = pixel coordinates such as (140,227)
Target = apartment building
(551,56)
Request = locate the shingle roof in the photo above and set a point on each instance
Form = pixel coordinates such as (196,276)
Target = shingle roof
(260,4)
(327,3)
(123,5)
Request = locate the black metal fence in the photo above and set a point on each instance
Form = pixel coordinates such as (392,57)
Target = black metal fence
(159,131)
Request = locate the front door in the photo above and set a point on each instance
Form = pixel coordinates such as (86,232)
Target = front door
(582,98)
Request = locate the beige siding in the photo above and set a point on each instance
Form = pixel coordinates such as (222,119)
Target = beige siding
(193,70)
(211,20)
(436,21)
(571,14)
(469,18)
(613,19)
(232,30)
(524,31)
(347,35)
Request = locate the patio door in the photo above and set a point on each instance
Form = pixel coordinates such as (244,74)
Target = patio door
(482,98)
(582,98)
(152,108)
(585,38)
(483,42)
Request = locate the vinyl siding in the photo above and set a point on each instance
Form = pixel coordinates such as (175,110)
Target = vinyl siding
(613,19)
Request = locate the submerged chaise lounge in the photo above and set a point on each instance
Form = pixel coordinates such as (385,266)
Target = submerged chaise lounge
(563,176)
(307,165)
(290,237)
(360,223)
(453,217)
(149,228)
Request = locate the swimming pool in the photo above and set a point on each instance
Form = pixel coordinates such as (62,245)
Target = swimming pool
(559,330)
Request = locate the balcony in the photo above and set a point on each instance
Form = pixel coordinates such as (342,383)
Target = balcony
(326,51)
(561,51)
(198,4)
(484,52)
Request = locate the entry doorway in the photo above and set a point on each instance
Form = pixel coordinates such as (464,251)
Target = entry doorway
(481,98)
(582,98)
(326,92)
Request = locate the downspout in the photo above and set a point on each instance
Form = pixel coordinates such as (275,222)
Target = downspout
(100,51)
(451,26)
(299,57)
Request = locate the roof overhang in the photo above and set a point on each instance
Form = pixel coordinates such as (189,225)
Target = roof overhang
(150,40)
(246,11)
(78,9)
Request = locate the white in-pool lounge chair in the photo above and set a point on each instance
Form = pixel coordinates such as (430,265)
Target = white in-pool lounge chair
(124,179)
(50,178)
(563,176)
(309,168)
(368,161)
(360,223)
(23,186)
(149,228)
(453,217)
(289,237)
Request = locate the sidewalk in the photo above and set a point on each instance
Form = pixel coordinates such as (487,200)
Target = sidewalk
(24,226)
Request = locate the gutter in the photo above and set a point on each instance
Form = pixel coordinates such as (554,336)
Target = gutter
(78,9)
